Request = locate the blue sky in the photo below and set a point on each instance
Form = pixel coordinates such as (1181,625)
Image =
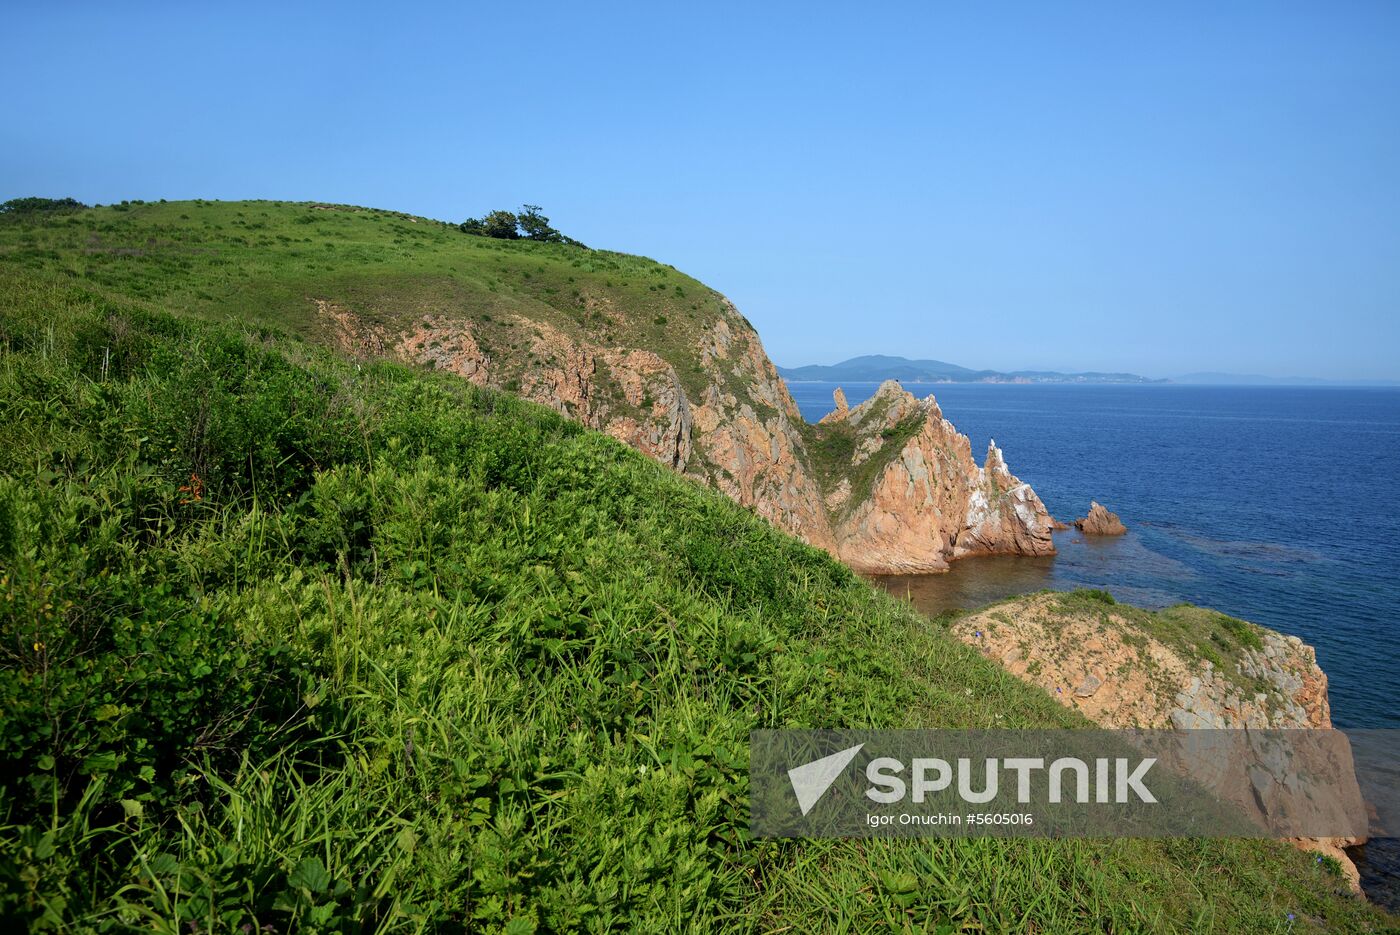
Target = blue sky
(1048,185)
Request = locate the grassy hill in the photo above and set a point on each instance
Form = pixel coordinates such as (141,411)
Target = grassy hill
(621,343)
(264,263)
(294,640)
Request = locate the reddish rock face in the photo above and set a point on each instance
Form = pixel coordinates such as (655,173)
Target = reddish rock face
(748,434)
(930,502)
(740,433)
(1106,664)
(842,409)
(1100,522)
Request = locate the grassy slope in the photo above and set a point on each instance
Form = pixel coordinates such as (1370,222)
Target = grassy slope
(263,263)
(410,654)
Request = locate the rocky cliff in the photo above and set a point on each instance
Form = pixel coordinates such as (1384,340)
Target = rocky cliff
(910,498)
(738,432)
(618,342)
(888,486)
(1181,668)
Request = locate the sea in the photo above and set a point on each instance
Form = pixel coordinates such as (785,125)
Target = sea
(1279,505)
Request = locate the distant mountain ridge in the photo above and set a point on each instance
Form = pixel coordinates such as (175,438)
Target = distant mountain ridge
(876,368)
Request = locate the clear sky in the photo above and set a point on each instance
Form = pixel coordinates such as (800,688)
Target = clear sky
(1051,185)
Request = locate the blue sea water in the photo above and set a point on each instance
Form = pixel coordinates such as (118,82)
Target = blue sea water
(1277,505)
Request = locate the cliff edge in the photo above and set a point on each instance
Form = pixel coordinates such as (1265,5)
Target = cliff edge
(620,343)
(1183,668)
(889,486)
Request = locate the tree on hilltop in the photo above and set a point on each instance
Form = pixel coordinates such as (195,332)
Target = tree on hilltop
(535,226)
(17,207)
(501,224)
(529,224)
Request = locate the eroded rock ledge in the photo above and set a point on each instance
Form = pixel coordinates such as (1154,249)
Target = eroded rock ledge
(1183,667)
(917,499)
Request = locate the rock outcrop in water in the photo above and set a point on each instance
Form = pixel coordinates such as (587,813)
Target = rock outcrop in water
(1100,522)
(888,486)
(1186,668)
(927,502)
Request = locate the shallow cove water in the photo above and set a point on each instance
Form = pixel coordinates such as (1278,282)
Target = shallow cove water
(1274,504)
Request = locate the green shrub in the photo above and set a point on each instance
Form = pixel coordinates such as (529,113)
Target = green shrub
(1242,633)
(1096,595)
(24,207)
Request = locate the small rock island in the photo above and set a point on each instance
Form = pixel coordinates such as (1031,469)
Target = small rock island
(1100,522)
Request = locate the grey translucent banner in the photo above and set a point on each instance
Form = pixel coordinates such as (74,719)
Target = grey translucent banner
(1075,783)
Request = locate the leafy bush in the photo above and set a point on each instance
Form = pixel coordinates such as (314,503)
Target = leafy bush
(529,224)
(22,207)
(1242,633)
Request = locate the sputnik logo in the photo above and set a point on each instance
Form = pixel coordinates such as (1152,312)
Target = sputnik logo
(811,780)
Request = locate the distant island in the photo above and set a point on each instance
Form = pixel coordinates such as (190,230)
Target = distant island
(876,368)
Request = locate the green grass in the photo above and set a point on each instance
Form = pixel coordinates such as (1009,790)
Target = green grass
(263,262)
(291,641)
(1195,633)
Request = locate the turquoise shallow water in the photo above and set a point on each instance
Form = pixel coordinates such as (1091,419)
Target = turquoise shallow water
(1278,505)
